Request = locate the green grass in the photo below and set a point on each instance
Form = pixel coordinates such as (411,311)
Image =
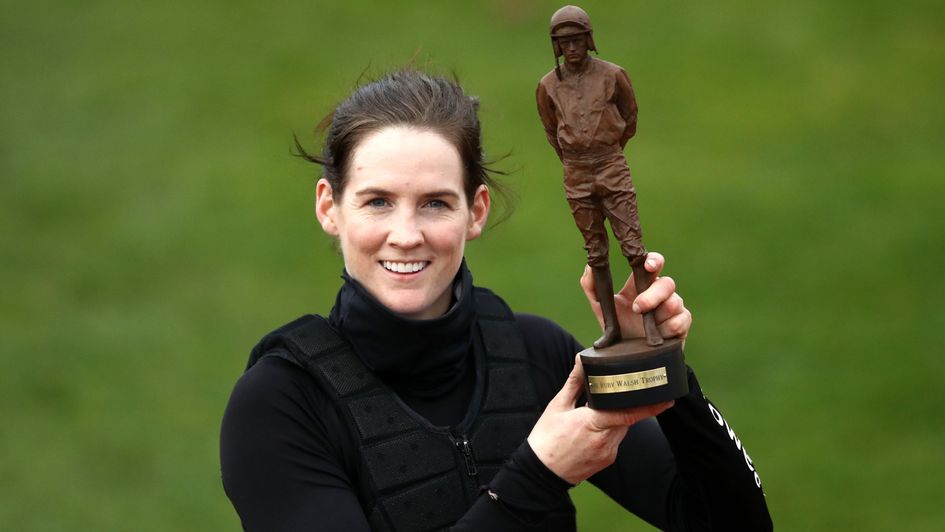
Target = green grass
(153,225)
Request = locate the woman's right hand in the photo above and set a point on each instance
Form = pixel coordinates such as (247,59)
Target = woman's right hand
(576,442)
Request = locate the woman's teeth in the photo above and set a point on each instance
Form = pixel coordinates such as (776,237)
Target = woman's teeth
(403,267)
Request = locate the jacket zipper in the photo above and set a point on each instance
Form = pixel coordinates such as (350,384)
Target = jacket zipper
(462,444)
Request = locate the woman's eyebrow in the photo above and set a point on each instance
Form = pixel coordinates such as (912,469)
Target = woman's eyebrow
(377,191)
(442,193)
(372,191)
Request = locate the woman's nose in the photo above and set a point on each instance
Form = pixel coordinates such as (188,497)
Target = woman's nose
(405,232)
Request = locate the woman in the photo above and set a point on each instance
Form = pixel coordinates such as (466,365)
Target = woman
(422,402)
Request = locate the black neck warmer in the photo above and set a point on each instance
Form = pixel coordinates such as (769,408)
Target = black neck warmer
(423,358)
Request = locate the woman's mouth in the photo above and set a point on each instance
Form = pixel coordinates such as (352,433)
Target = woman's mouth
(404,267)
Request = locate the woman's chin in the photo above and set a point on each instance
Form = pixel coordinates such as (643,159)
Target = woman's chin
(415,306)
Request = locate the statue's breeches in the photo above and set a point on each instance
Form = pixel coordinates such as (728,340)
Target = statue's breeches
(597,188)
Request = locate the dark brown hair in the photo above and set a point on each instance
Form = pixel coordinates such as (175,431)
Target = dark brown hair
(405,98)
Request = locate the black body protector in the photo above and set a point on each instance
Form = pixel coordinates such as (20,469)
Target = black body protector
(414,475)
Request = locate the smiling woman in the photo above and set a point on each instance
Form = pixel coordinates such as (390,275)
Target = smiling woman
(422,402)
(404,219)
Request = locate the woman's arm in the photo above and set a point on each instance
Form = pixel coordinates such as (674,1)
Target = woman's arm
(283,454)
(287,460)
(689,471)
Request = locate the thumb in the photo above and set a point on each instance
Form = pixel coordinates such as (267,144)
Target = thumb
(587,284)
(590,292)
(567,396)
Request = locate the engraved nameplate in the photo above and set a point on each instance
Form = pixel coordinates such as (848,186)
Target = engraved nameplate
(627,382)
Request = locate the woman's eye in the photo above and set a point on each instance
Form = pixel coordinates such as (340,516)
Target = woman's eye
(377,203)
(437,204)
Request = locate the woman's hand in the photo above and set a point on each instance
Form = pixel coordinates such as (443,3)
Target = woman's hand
(672,317)
(574,443)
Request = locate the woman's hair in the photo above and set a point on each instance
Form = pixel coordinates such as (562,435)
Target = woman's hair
(405,98)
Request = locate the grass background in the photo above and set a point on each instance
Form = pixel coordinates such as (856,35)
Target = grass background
(789,163)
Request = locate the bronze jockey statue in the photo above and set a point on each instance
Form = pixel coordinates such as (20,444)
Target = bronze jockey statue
(589,113)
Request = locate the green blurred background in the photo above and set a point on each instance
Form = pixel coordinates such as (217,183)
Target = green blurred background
(153,225)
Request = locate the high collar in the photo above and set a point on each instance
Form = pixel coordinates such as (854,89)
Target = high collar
(418,357)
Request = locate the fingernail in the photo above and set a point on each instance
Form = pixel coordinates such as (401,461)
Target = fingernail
(651,263)
(636,308)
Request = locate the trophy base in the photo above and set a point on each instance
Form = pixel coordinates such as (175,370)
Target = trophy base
(631,373)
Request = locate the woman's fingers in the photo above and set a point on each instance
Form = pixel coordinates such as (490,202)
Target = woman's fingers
(672,317)
(574,443)
(608,419)
(654,296)
(654,262)
(677,325)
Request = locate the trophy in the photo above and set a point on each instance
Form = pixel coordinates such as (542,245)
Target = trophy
(589,113)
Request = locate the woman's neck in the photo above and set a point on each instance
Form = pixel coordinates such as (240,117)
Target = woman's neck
(420,358)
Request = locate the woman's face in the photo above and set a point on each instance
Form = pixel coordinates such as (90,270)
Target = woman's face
(404,219)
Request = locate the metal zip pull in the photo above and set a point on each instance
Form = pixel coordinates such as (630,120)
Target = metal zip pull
(466,449)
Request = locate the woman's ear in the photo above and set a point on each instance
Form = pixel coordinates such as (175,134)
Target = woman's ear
(480,212)
(325,207)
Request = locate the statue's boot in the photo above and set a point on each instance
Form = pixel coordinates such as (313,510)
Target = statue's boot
(604,289)
(642,280)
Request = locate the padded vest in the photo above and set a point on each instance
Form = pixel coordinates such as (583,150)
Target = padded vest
(415,476)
